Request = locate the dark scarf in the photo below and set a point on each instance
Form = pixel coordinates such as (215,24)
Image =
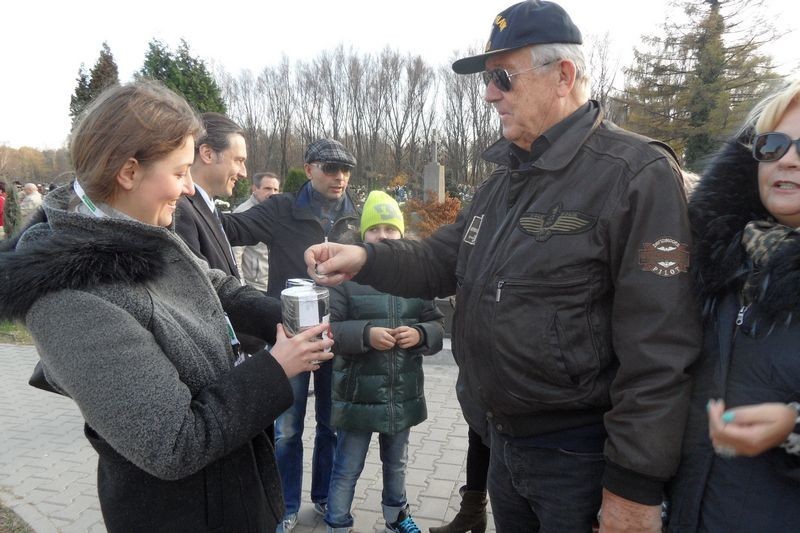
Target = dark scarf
(763,240)
(326,210)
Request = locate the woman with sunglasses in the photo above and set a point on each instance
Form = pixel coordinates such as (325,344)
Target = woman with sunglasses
(137,331)
(741,457)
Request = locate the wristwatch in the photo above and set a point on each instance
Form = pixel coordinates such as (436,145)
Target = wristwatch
(792,442)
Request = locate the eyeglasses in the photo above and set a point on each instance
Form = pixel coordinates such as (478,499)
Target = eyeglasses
(773,146)
(332,169)
(502,78)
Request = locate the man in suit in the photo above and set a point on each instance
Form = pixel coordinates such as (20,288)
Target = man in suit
(219,159)
(218,164)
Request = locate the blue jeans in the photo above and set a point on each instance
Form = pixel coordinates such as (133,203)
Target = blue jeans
(543,489)
(289,439)
(351,451)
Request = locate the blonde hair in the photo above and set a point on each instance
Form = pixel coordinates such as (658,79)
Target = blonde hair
(143,120)
(767,113)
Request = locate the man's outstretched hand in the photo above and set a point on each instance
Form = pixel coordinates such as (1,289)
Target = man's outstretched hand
(330,263)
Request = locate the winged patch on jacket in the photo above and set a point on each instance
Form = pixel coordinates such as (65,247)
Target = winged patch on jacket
(556,221)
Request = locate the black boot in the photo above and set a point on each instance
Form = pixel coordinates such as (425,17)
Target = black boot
(471,517)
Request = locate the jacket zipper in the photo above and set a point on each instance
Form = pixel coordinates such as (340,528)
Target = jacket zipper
(537,283)
(740,315)
(392,361)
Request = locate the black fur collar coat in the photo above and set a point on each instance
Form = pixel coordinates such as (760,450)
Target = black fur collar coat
(722,204)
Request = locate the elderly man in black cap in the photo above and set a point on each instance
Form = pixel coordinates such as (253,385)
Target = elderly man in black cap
(575,321)
(321,211)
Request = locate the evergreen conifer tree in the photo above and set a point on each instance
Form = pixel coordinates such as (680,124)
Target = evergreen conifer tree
(184,74)
(104,74)
(81,97)
(12,216)
(295,178)
(694,84)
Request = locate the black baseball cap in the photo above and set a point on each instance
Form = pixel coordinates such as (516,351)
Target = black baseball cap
(523,24)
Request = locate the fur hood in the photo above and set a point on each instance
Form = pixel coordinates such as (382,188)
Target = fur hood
(67,250)
(724,201)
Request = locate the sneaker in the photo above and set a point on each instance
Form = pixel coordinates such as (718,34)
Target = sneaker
(320,508)
(287,524)
(404,524)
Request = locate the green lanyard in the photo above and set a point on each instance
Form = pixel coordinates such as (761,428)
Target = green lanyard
(93,209)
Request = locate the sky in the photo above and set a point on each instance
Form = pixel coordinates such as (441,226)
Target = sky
(43,43)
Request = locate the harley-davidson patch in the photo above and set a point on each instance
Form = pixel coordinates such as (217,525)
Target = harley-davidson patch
(665,257)
(556,221)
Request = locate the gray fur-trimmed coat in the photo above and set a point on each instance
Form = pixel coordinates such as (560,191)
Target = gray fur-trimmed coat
(132,327)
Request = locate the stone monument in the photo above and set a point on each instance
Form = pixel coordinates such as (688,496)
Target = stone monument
(433,177)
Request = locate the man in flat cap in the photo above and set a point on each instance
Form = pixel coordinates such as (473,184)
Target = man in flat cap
(575,321)
(288,224)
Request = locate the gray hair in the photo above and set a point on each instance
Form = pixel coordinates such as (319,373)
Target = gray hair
(544,53)
(256,179)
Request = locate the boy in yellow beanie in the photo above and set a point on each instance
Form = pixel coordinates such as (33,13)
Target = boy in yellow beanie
(377,378)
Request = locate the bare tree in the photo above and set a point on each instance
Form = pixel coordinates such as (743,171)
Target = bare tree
(378,79)
(389,109)
(311,102)
(454,122)
(469,126)
(484,130)
(420,150)
(358,73)
(419,83)
(603,69)
(398,110)
(331,72)
(279,91)
(248,108)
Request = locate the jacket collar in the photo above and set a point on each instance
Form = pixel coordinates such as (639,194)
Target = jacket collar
(302,205)
(559,154)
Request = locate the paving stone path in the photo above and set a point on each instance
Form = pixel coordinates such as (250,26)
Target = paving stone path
(48,470)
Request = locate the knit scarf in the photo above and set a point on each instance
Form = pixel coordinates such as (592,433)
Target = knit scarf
(762,239)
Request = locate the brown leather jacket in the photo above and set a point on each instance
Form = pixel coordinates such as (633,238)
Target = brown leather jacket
(574,305)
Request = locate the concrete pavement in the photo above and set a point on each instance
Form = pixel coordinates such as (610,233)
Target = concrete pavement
(48,470)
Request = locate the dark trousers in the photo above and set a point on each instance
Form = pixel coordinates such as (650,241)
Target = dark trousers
(477,462)
(543,490)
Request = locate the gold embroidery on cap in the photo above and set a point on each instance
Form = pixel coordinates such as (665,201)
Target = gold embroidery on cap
(500,22)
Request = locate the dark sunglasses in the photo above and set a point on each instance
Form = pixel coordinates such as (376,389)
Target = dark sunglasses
(772,146)
(332,169)
(502,78)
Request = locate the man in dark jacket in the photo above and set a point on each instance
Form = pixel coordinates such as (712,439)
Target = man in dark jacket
(575,320)
(320,211)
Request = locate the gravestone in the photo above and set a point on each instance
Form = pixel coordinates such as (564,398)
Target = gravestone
(433,178)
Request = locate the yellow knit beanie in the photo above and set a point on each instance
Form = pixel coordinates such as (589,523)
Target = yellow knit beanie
(380,208)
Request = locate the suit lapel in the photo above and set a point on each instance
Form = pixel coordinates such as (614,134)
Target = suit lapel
(214,225)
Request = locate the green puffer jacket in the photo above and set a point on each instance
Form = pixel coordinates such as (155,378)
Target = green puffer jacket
(374,390)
